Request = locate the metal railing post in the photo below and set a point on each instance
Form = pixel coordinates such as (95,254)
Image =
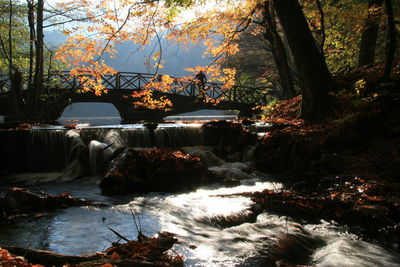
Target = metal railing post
(118,81)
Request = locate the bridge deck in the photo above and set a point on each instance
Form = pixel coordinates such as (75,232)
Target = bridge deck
(140,81)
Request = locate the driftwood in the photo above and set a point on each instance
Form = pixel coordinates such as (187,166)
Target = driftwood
(48,258)
(143,252)
(53,259)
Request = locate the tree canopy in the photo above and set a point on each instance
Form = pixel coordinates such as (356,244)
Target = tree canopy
(334,30)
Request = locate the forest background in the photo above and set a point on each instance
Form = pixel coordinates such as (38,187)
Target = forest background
(295,46)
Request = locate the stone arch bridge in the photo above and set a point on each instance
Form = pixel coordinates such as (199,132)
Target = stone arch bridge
(184,94)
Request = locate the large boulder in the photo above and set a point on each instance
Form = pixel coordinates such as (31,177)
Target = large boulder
(205,154)
(229,139)
(19,201)
(154,171)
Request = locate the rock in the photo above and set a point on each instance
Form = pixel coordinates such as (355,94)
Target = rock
(100,154)
(231,171)
(247,121)
(227,137)
(228,182)
(286,153)
(248,153)
(151,125)
(295,249)
(205,154)
(10,125)
(154,171)
(20,200)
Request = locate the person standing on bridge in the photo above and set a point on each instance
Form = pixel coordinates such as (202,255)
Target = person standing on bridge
(200,80)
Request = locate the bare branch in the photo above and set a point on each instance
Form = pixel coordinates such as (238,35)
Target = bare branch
(147,32)
(243,25)
(116,13)
(115,33)
(160,48)
(66,22)
(56,13)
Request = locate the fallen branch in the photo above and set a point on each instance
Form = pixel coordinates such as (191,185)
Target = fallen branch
(48,258)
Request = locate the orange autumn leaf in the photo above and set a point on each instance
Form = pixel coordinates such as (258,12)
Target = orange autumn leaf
(115,256)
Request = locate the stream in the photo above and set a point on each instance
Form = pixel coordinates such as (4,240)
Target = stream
(189,215)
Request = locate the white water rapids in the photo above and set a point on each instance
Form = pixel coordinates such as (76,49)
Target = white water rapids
(83,230)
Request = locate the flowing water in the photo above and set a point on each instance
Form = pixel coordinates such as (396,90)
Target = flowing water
(190,215)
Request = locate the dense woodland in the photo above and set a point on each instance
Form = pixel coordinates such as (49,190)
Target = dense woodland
(334,65)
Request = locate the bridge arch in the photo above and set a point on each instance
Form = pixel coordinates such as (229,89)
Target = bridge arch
(93,112)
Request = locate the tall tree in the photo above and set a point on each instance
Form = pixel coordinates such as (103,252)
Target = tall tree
(391,39)
(314,76)
(10,50)
(370,33)
(14,36)
(13,18)
(278,51)
(32,37)
(39,57)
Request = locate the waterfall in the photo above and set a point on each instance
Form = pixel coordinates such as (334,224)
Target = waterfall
(178,136)
(58,149)
(46,150)
(99,154)
(77,156)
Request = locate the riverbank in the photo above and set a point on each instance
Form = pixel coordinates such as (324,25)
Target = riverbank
(345,168)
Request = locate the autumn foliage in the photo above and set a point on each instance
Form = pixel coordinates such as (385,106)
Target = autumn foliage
(9,260)
(345,168)
(148,250)
(345,199)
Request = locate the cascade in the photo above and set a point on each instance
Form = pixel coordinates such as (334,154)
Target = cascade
(59,149)
(47,150)
(99,154)
(77,156)
(178,136)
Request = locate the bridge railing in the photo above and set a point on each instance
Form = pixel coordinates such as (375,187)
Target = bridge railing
(137,81)
(5,84)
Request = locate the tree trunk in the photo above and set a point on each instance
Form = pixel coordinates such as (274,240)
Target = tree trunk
(49,70)
(16,91)
(46,257)
(31,23)
(314,76)
(370,33)
(322,29)
(10,51)
(39,44)
(391,39)
(14,74)
(279,52)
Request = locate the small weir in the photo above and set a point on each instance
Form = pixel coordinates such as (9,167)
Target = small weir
(52,148)
(196,217)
